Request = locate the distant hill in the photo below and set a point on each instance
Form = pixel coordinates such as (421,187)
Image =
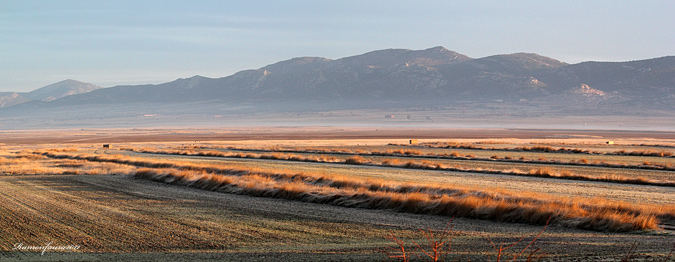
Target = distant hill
(435,77)
(47,93)
(59,90)
(11,99)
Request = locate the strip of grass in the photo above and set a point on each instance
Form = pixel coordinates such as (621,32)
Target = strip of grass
(413,164)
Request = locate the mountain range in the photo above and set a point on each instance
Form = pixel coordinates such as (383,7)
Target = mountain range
(395,78)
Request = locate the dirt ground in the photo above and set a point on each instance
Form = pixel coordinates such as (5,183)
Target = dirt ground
(117,217)
(122,217)
(80,136)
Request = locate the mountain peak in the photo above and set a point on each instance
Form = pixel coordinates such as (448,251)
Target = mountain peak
(438,49)
(527,61)
(296,62)
(64,88)
(69,81)
(389,57)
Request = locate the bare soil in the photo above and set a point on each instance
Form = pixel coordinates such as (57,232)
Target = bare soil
(117,217)
(80,136)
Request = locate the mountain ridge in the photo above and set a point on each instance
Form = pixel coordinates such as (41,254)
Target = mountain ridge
(429,77)
(51,92)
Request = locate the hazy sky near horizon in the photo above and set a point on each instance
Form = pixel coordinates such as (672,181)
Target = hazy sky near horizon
(109,43)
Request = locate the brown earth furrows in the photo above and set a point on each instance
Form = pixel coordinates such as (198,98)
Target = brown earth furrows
(249,224)
(159,222)
(377,194)
(113,216)
(87,220)
(191,204)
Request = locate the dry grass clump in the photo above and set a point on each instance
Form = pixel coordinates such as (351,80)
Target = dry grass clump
(392,162)
(66,149)
(647,152)
(27,163)
(423,165)
(489,142)
(450,145)
(537,148)
(407,152)
(550,149)
(356,160)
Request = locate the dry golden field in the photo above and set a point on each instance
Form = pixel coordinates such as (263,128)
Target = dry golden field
(336,194)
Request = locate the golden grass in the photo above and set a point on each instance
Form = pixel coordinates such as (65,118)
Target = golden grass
(644,153)
(26,163)
(452,155)
(418,164)
(469,204)
(423,198)
(614,178)
(550,149)
(355,160)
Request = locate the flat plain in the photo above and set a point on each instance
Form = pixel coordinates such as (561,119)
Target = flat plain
(306,193)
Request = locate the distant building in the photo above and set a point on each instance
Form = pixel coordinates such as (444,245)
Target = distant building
(413,141)
(389,116)
(610,142)
(106,145)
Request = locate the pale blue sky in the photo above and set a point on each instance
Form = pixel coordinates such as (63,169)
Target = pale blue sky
(147,42)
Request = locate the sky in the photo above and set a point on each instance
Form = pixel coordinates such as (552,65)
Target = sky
(109,43)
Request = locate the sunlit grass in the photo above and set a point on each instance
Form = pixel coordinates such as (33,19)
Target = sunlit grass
(417,164)
(423,198)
